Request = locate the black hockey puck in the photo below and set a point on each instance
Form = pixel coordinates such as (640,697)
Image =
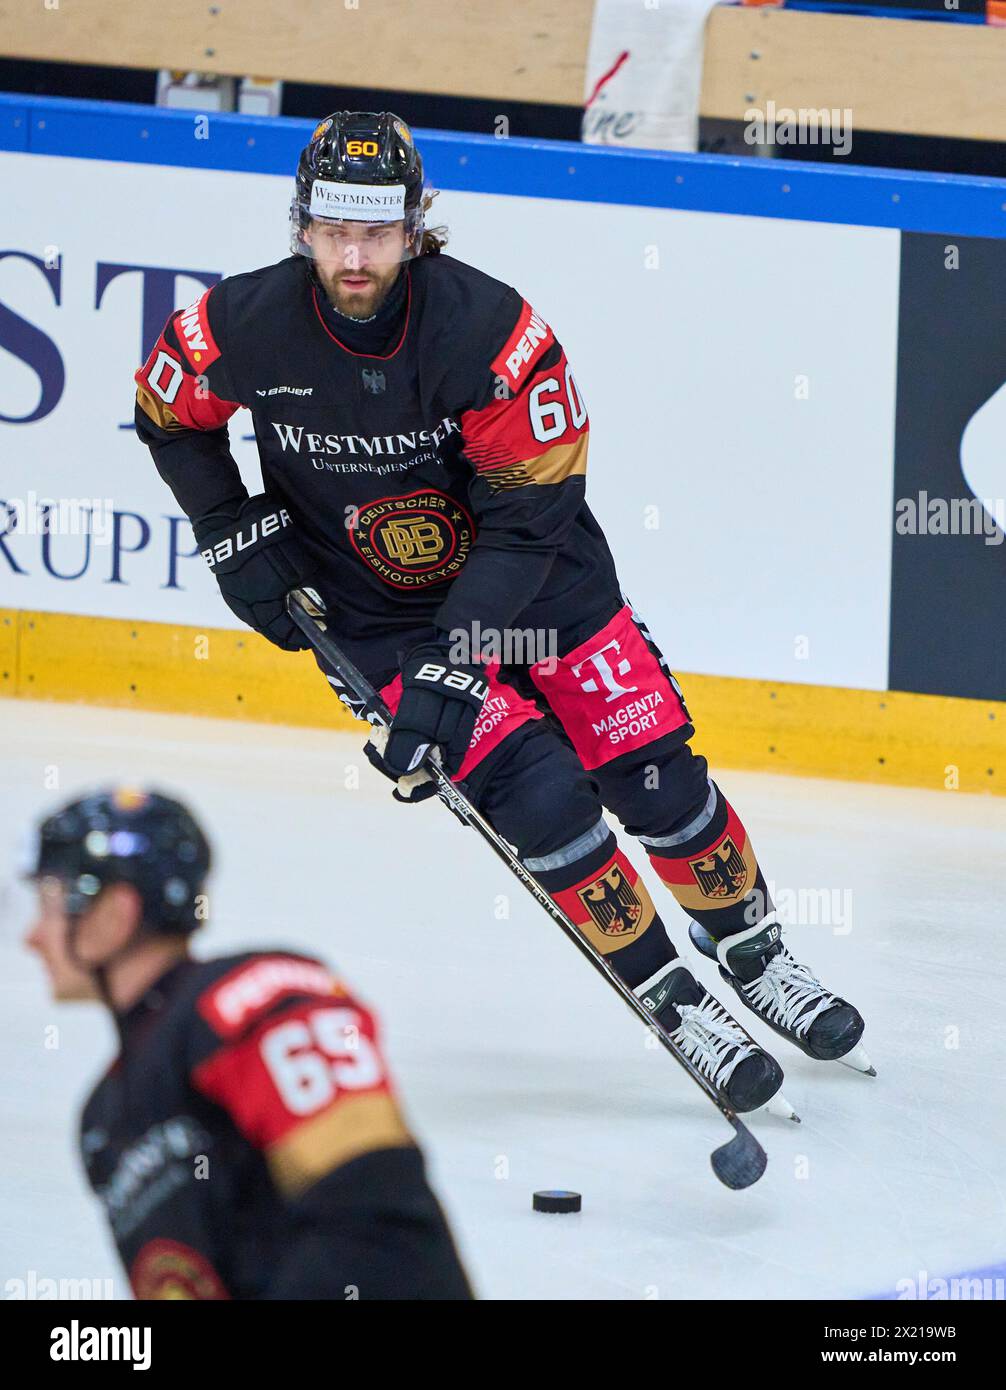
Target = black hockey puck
(556,1200)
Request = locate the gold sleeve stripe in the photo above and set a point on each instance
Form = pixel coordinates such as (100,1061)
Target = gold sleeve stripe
(154,407)
(553,466)
(564,461)
(354,1126)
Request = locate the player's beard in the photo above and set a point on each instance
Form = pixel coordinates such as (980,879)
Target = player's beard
(362,303)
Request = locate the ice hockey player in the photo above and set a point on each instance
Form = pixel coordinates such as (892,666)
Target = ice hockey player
(246,1142)
(423,446)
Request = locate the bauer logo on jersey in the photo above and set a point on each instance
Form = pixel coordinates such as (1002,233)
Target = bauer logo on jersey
(413,541)
(529,339)
(721,874)
(614,905)
(357,202)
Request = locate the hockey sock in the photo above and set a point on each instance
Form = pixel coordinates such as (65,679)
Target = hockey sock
(597,886)
(708,863)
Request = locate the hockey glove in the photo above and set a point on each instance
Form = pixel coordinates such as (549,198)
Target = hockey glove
(441,702)
(256,558)
(417,786)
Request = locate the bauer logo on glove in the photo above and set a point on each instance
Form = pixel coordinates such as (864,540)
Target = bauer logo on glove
(440,705)
(256,557)
(245,539)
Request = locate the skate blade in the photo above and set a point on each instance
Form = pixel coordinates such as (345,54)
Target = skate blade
(781,1107)
(858,1061)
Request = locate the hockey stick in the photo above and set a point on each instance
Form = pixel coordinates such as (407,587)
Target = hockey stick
(741,1160)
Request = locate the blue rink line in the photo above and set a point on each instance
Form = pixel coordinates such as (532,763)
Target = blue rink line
(991,1273)
(885,12)
(944,203)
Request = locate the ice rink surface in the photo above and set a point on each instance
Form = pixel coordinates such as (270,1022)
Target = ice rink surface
(518,1068)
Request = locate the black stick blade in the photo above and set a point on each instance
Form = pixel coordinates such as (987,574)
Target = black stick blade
(740,1161)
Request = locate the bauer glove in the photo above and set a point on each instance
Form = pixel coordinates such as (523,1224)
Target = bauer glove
(440,705)
(257,558)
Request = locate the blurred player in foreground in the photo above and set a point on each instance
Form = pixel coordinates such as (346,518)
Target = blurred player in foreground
(246,1142)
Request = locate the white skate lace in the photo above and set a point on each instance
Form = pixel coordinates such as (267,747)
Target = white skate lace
(784,990)
(707,1035)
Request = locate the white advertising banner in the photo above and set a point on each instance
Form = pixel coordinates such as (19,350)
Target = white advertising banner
(739,372)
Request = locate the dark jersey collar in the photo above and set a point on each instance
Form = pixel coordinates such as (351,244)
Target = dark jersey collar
(132,1020)
(374,337)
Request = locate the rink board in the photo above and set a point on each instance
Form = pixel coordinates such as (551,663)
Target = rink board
(753,378)
(892,737)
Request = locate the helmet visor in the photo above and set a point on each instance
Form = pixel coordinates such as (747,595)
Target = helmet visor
(355,225)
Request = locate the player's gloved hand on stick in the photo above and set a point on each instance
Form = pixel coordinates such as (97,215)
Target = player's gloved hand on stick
(257,558)
(441,701)
(416,786)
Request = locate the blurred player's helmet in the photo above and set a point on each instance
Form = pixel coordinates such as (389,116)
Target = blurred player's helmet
(359,166)
(127,836)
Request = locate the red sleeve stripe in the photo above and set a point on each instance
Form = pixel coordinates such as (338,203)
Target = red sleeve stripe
(193,327)
(530,338)
(283,1073)
(253,988)
(170,396)
(502,433)
(486,456)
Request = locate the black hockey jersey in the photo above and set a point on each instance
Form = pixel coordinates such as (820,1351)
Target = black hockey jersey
(441,483)
(247,1143)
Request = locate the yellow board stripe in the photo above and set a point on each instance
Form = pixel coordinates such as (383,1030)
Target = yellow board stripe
(10,683)
(941,742)
(157,666)
(893,737)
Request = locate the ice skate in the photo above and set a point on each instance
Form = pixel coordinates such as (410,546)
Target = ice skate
(788,996)
(745,1074)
